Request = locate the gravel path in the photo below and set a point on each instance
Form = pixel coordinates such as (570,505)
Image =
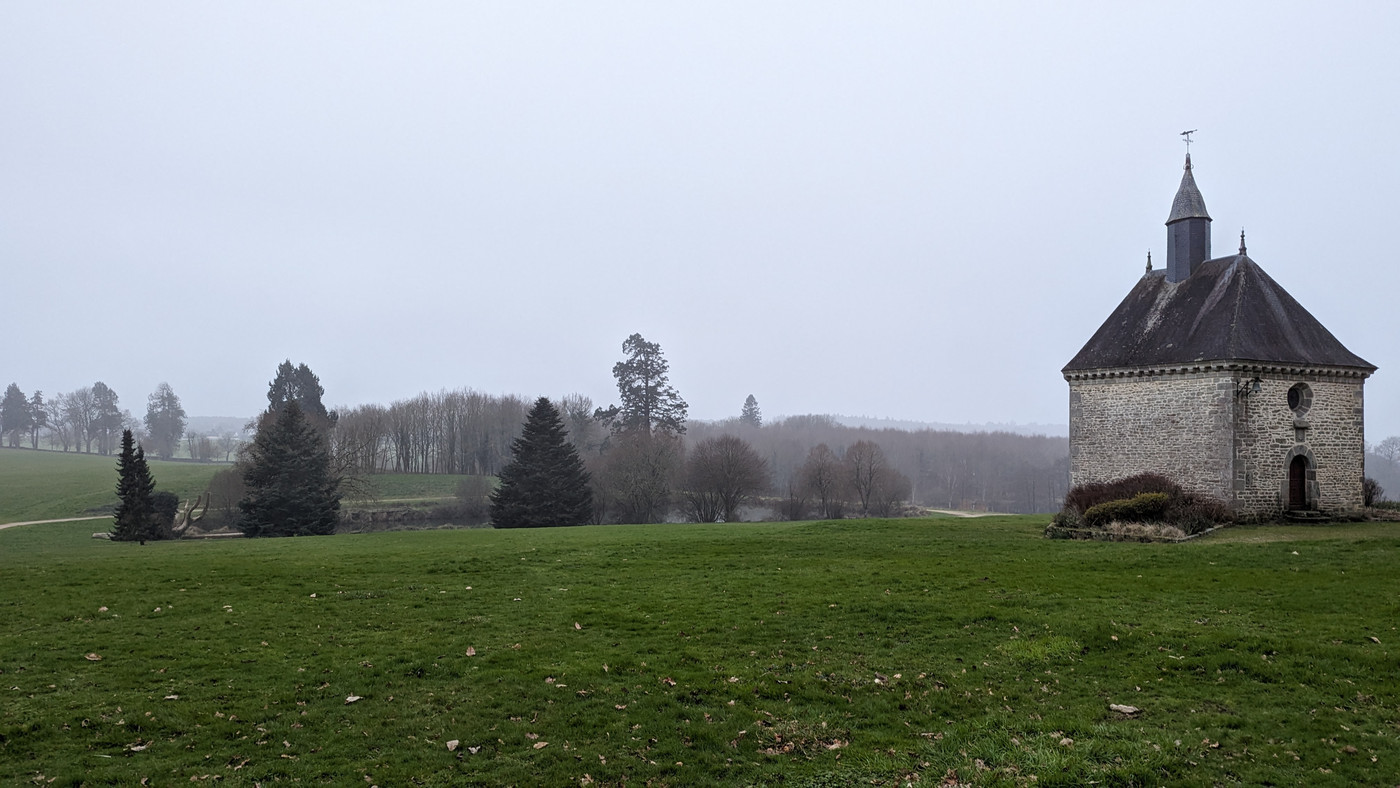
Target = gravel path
(60,520)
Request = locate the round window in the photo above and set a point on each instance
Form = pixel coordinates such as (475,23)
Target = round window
(1299,398)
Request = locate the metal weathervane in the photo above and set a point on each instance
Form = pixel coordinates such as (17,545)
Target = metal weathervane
(1187,136)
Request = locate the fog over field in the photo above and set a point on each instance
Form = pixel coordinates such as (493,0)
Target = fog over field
(907,211)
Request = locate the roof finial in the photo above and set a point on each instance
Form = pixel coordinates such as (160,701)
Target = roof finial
(1242,242)
(1149,261)
(1187,136)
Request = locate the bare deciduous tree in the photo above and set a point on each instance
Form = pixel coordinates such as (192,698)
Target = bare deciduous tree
(822,476)
(865,467)
(635,477)
(722,474)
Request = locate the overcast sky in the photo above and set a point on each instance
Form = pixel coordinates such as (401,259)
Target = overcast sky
(908,210)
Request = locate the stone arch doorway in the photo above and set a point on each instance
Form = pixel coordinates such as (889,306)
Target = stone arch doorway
(1298,483)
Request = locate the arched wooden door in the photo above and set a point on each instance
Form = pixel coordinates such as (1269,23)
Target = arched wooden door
(1298,483)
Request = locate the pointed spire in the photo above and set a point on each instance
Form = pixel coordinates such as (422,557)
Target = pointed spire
(1188,229)
(1189,204)
(1242,252)
(1149,261)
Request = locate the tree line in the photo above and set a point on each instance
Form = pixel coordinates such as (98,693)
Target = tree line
(91,420)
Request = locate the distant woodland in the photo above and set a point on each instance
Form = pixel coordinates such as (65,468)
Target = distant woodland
(647,461)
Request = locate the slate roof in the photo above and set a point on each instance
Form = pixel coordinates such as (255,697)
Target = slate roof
(1188,203)
(1228,309)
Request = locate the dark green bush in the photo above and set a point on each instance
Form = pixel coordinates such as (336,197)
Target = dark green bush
(1149,507)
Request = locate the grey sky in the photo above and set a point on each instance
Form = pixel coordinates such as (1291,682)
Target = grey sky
(912,210)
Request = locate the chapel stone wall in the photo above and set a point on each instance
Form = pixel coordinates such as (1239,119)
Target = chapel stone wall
(1327,429)
(1179,425)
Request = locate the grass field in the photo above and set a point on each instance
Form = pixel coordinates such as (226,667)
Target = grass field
(407,486)
(46,485)
(810,654)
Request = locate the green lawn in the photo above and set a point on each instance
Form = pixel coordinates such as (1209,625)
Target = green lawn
(46,485)
(812,654)
(408,486)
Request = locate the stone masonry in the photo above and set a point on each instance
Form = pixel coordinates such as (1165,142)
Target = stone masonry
(1206,429)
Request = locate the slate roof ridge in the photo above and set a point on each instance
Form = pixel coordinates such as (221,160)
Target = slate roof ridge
(1229,308)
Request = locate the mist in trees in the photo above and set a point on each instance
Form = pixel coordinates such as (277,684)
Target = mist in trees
(751,416)
(16,417)
(107,417)
(461,431)
(1383,465)
(723,474)
(165,421)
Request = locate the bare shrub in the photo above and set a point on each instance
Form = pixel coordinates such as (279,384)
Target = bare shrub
(1371,492)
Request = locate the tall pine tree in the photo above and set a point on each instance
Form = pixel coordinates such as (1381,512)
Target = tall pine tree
(291,490)
(545,482)
(134,518)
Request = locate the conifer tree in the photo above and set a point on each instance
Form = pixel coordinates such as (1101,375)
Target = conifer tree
(15,415)
(751,415)
(134,518)
(545,483)
(290,489)
(650,405)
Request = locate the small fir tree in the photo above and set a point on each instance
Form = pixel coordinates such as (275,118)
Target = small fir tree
(290,489)
(132,522)
(545,482)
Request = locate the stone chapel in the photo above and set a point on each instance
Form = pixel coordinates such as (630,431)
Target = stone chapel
(1211,374)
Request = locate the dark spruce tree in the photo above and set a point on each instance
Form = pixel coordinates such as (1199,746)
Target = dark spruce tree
(545,482)
(134,518)
(290,489)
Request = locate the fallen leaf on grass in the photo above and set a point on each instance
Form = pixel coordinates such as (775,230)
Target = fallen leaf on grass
(1121,709)
(540,745)
(532,736)
(474,750)
(93,656)
(352,698)
(452,745)
(1066,742)
(619,706)
(1375,640)
(172,697)
(102,609)
(668,681)
(577,625)
(471,652)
